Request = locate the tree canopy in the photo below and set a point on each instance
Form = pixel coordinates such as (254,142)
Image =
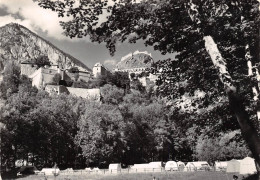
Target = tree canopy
(216,40)
(175,26)
(126,126)
(42,60)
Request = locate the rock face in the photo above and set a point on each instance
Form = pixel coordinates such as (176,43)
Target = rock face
(19,43)
(135,60)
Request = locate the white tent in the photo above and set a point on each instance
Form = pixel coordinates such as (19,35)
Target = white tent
(233,166)
(189,167)
(50,171)
(69,170)
(96,169)
(198,165)
(157,164)
(247,166)
(181,165)
(171,166)
(114,167)
(220,165)
(88,169)
(152,166)
(140,167)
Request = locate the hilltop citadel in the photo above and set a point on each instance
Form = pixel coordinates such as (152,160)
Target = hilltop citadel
(44,77)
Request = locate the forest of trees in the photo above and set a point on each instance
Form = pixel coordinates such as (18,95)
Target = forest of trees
(217,42)
(130,126)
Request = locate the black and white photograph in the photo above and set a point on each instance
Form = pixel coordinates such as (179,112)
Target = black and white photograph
(130,89)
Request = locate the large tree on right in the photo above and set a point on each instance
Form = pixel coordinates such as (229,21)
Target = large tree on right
(216,40)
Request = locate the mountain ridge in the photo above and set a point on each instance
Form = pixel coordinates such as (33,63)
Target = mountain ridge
(19,43)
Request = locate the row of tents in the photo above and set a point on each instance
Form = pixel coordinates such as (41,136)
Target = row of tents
(174,166)
(243,166)
(169,166)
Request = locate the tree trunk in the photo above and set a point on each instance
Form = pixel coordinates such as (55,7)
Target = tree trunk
(258,89)
(255,88)
(1,151)
(248,131)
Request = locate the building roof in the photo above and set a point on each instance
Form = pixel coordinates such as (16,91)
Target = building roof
(101,65)
(26,62)
(98,65)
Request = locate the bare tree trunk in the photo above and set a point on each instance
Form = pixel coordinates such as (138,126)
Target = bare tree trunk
(255,88)
(248,131)
(2,126)
(258,90)
(1,150)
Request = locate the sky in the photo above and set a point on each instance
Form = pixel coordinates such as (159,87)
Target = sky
(45,23)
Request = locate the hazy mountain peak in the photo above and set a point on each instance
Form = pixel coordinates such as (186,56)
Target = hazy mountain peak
(19,43)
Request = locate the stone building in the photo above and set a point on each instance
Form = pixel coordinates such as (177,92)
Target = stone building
(99,70)
(42,77)
(139,64)
(136,62)
(92,94)
(28,68)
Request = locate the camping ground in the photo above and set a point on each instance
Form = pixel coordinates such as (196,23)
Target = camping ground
(145,176)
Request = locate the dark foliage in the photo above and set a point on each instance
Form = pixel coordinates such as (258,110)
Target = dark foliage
(42,61)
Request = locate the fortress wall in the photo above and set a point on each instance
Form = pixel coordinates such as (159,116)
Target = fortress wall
(84,76)
(47,75)
(28,69)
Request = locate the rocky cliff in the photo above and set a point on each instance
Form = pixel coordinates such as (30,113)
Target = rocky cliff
(135,60)
(20,44)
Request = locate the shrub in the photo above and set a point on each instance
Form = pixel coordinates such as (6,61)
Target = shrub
(41,61)
(56,78)
(73,70)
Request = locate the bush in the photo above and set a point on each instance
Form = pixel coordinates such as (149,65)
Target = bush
(137,85)
(79,84)
(132,75)
(56,79)
(41,61)
(73,70)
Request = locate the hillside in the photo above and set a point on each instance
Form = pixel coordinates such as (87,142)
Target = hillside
(19,43)
(135,60)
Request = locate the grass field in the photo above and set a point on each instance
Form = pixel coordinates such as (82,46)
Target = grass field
(143,176)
